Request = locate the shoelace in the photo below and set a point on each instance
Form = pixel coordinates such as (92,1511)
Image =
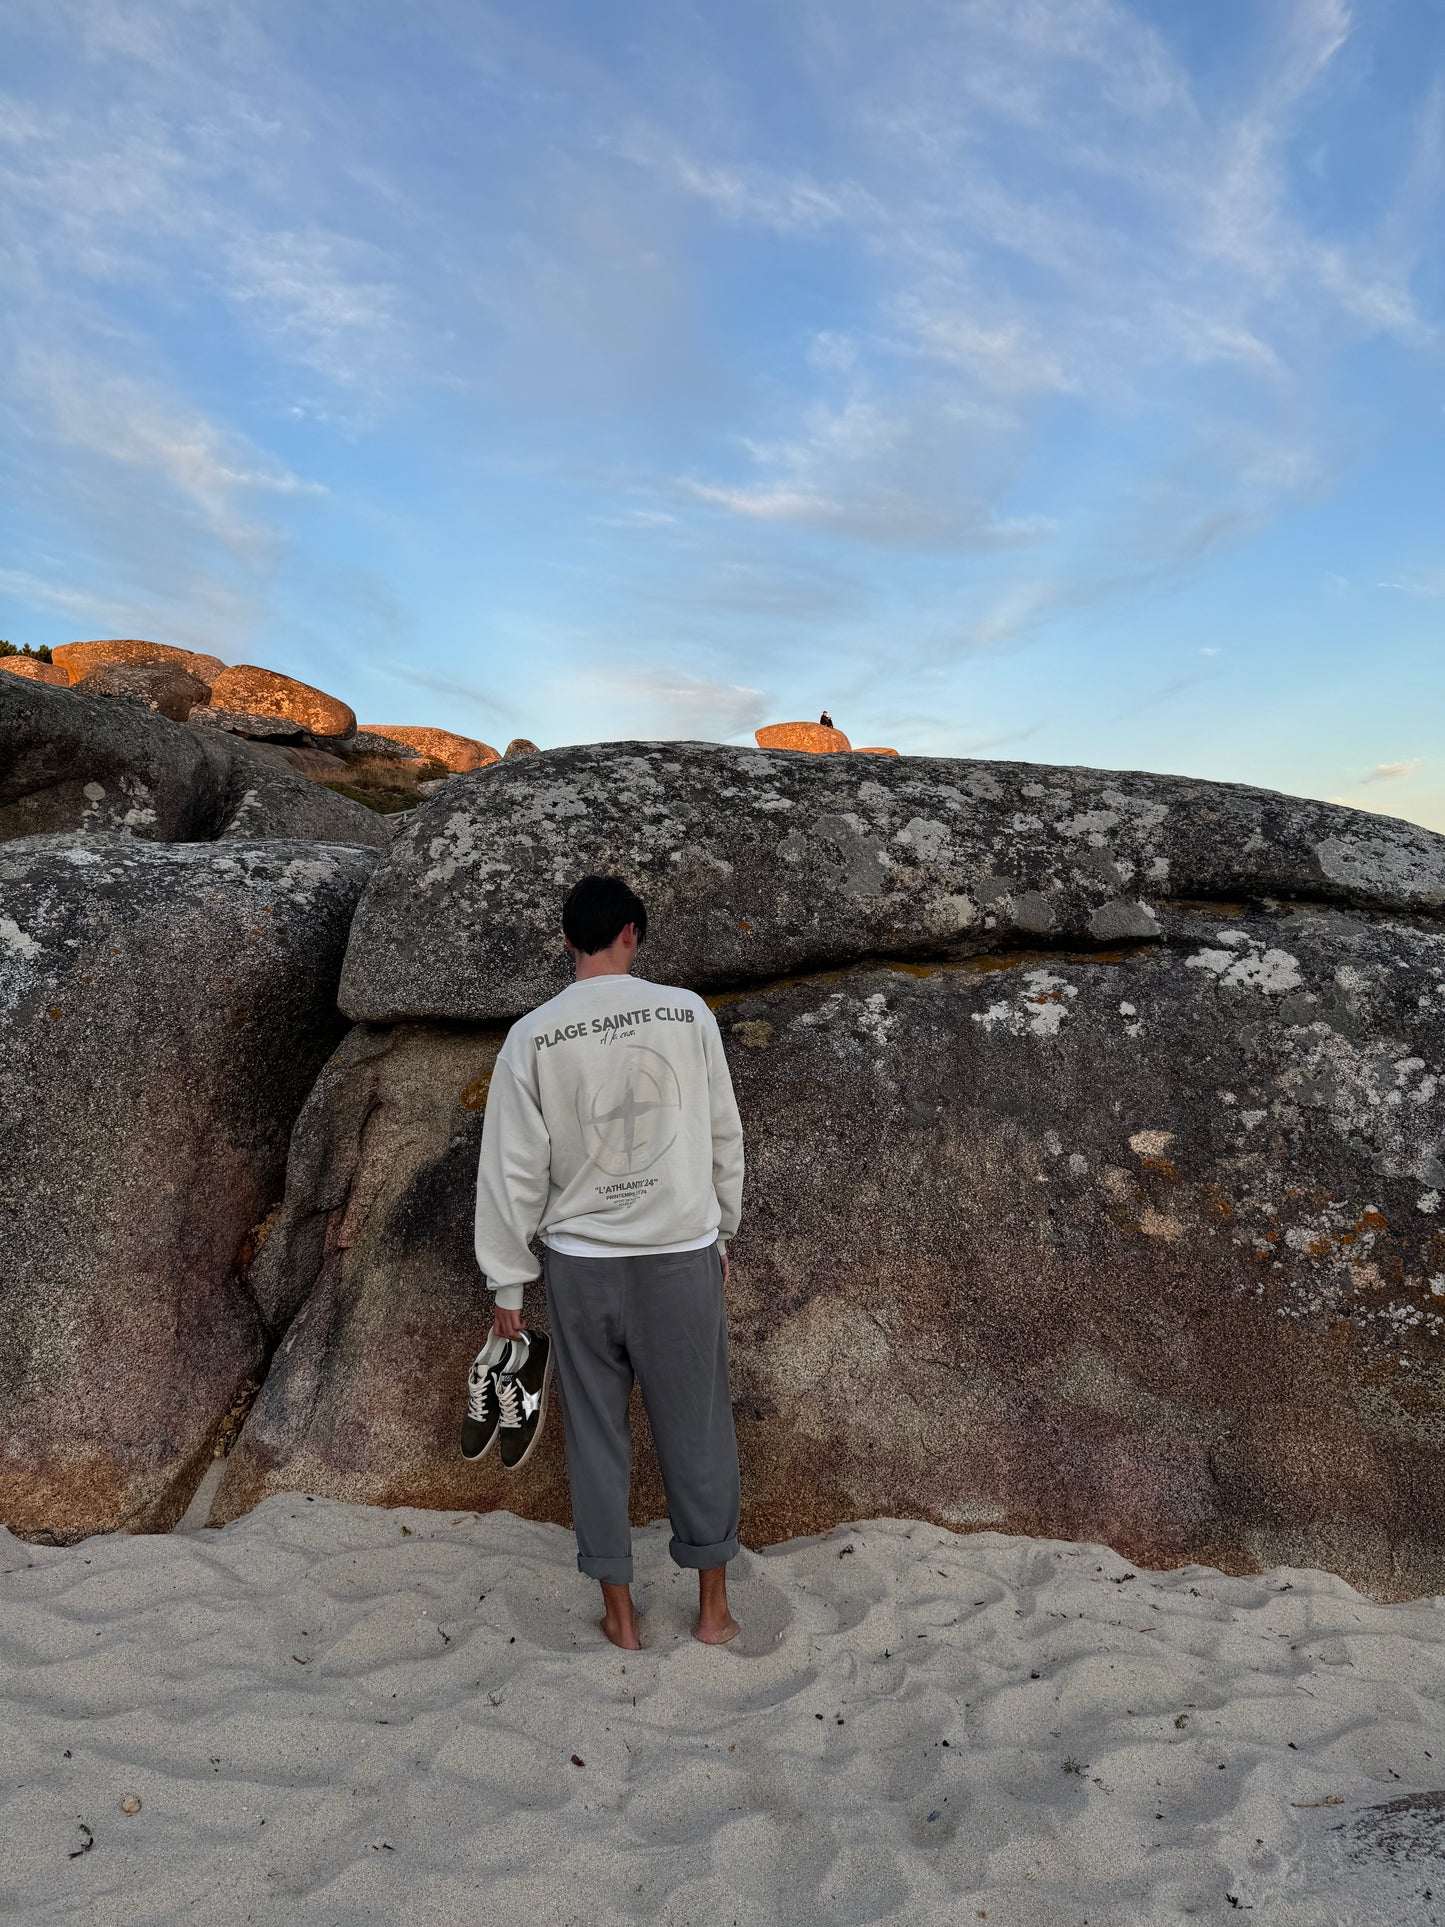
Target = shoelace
(477,1396)
(509,1399)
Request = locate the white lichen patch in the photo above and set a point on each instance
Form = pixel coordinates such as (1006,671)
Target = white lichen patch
(876,1021)
(1038,1010)
(1249,965)
(1089,824)
(927,839)
(17,941)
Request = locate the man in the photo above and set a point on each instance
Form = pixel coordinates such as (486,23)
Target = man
(612,1129)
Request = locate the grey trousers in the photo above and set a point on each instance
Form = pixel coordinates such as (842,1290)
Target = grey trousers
(661,1321)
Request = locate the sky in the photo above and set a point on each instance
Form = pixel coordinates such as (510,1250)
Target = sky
(1051,380)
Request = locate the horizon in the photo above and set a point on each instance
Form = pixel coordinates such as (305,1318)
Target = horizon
(1059,382)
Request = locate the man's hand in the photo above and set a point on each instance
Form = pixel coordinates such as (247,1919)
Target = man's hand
(724,1258)
(507,1324)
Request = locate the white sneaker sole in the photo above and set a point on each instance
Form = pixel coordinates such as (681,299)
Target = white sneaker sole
(541,1410)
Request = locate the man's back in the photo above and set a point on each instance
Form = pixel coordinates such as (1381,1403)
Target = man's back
(627,1082)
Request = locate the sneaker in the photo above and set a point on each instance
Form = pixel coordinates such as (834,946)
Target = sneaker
(522,1395)
(479,1427)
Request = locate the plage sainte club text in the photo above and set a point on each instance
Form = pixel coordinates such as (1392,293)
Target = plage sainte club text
(624,1020)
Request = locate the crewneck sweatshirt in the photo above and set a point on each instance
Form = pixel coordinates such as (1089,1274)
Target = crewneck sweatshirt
(611,1124)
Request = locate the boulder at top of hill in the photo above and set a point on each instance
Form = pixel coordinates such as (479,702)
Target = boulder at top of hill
(265,692)
(78,659)
(71,761)
(455,753)
(166,1010)
(520,746)
(818,739)
(160,686)
(872,749)
(757,863)
(34,670)
(1138,1246)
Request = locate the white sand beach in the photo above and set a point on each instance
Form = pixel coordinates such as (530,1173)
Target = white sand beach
(337,1715)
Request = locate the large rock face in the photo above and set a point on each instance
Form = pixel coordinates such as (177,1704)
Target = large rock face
(165,1011)
(1142,1245)
(755,864)
(74,762)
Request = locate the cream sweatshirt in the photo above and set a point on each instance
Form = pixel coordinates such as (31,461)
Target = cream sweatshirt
(610,1120)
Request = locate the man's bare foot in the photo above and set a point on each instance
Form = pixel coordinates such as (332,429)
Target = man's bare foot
(619,1618)
(716,1633)
(715,1624)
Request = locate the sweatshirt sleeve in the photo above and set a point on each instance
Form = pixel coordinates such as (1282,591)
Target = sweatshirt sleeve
(513,1176)
(727,1136)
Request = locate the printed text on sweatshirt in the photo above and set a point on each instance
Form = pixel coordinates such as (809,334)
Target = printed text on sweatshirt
(611,1125)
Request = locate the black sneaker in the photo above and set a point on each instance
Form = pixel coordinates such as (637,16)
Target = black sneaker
(522,1396)
(479,1426)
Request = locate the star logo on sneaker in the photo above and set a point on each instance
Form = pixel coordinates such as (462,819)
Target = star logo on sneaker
(530,1402)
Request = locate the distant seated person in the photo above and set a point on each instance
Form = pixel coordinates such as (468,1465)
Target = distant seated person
(826,720)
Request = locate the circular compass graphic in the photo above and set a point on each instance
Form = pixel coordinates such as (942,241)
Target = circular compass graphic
(631,1120)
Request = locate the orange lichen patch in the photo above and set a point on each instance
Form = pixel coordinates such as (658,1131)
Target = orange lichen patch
(265,692)
(872,750)
(1206,907)
(745,926)
(475,1095)
(35,671)
(77,659)
(456,753)
(1162,1166)
(816,738)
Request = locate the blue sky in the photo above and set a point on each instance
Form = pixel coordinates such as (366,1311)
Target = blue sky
(1050,379)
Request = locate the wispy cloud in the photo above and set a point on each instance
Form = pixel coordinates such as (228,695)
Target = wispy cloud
(1425,585)
(1392,772)
(130,425)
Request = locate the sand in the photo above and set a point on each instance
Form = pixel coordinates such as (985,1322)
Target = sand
(332,1714)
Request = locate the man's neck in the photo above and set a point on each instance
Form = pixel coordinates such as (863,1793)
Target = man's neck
(611,962)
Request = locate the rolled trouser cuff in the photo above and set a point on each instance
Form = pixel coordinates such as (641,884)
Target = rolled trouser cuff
(703,1558)
(608,1572)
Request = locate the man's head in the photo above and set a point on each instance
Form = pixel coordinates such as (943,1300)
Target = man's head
(598,911)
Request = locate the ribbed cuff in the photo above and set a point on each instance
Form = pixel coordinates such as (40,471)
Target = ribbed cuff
(703,1558)
(508,1297)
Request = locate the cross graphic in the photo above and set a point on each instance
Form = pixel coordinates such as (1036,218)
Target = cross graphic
(627,1113)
